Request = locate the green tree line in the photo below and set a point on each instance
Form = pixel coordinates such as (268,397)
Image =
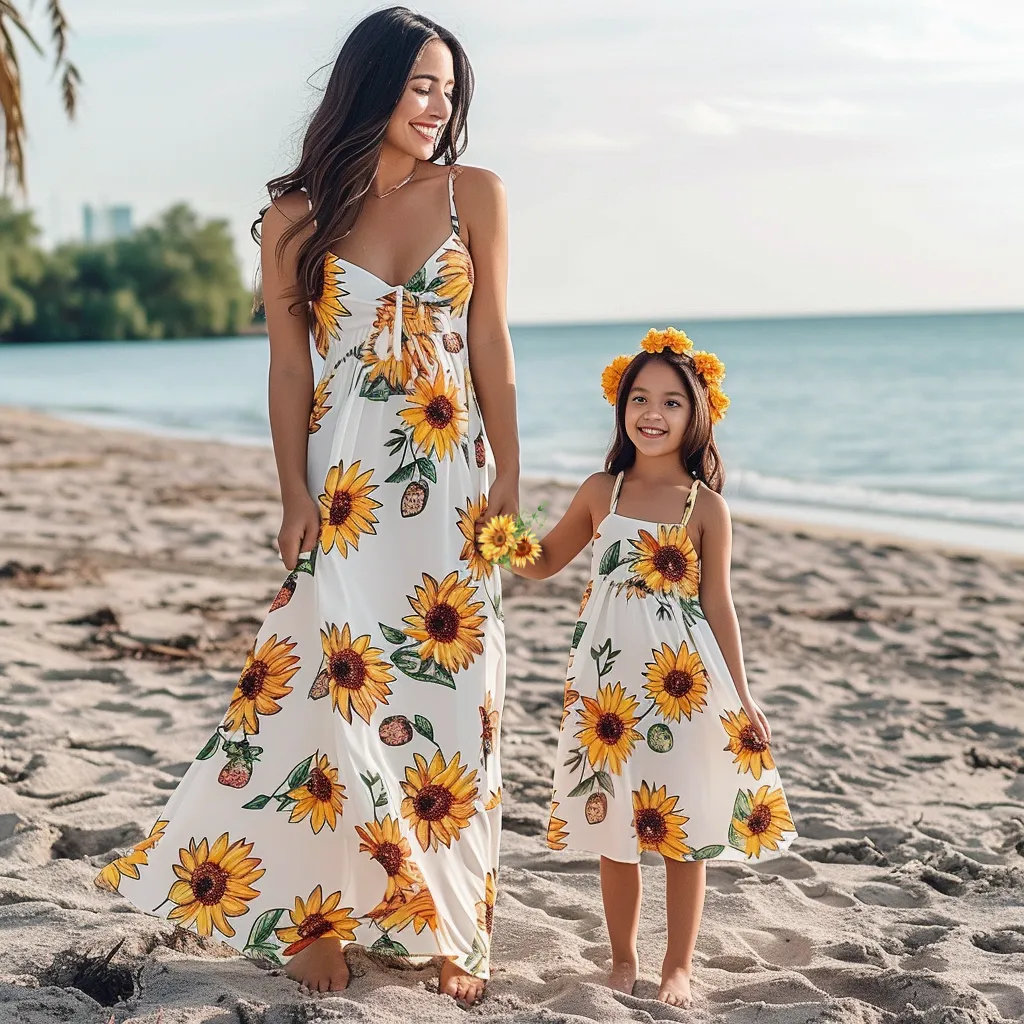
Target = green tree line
(176,278)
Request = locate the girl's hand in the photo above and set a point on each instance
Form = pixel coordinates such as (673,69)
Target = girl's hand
(502,500)
(757,720)
(300,528)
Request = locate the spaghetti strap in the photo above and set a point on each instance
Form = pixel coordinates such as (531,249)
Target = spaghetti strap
(691,500)
(451,201)
(615,493)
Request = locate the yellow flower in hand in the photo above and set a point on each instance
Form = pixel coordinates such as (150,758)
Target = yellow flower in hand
(526,550)
(497,538)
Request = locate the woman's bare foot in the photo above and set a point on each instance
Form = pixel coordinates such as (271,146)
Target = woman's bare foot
(459,984)
(320,967)
(675,986)
(622,976)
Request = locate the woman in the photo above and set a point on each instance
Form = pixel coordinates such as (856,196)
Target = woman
(368,708)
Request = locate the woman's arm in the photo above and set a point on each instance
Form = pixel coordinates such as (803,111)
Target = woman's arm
(716,599)
(291,379)
(572,533)
(481,200)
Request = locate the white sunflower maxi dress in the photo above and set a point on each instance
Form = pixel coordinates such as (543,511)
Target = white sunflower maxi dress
(655,750)
(353,787)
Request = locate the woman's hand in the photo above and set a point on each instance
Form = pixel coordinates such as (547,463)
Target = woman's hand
(300,527)
(757,720)
(502,500)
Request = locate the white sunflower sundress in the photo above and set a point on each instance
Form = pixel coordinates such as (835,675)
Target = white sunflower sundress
(353,788)
(655,750)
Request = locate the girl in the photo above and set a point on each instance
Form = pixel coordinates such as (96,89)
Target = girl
(358,712)
(661,747)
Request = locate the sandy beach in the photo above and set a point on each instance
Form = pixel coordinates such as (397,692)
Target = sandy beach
(134,572)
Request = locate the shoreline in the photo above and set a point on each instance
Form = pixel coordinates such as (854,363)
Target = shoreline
(950,535)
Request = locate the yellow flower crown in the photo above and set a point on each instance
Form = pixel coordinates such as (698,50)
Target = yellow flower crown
(709,368)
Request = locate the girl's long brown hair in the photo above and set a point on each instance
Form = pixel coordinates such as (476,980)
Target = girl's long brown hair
(342,145)
(698,453)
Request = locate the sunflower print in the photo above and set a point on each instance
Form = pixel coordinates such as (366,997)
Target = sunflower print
(586,597)
(328,310)
(677,682)
(456,273)
(493,799)
(485,907)
(437,416)
(659,828)
(354,674)
(405,908)
(568,699)
(346,508)
(752,753)
(316,918)
(667,564)
(263,682)
(556,829)
(469,517)
(759,820)
(606,727)
(384,842)
(320,407)
(128,865)
(320,798)
(446,623)
(439,799)
(488,727)
(418,354)
(214,883)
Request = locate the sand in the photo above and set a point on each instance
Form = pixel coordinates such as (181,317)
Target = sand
(133,574)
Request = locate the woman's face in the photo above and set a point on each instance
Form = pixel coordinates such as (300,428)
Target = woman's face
(426,103)
(658,410)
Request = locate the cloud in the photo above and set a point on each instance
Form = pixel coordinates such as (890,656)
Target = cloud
(581,140)
(729,116)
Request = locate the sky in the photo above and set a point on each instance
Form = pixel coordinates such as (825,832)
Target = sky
(663,159)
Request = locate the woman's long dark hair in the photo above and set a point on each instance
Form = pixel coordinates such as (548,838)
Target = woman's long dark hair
(699,453)
(342,145)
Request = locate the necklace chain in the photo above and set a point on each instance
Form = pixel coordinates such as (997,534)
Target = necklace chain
(404,181)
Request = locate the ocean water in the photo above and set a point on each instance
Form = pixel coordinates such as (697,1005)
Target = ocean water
(910,425)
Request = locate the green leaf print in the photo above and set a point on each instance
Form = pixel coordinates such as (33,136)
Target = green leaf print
(298,775)
(263,927)
(418,281)
(257,803)
(286,803)
(426,467)
(410,664)
(736,840)
(577,633)
(438,282)
(267,951)
(402,474)
(604,780)
(609,560)
(584,787)
(423,727)
(742,807)
(211,748)
(387,945)
(376,389)
(707,852)
(392,635)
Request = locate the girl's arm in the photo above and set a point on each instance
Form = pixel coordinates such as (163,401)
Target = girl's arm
(481,198)
(573,532)
(291,379)
(716,600)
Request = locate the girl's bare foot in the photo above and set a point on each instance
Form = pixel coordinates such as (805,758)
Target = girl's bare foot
(622,976)
(320,967)
(459,984)
(675,986)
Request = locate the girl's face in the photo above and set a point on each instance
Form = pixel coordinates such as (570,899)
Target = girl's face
(658,410)
(425,105)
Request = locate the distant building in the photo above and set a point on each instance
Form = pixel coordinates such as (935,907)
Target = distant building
(105,223)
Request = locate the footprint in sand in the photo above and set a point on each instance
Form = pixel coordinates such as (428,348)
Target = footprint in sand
(1004,940)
